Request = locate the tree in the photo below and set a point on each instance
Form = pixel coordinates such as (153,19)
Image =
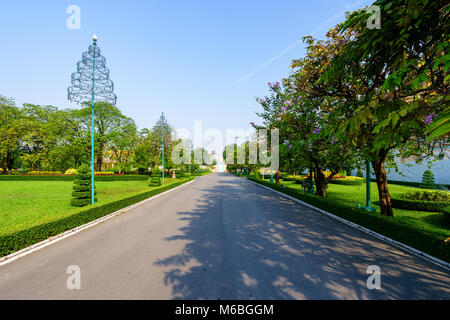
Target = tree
(11,133)
(400,78)
(299,109)
(110,125)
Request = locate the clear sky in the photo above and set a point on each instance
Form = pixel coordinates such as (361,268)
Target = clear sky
(196,60)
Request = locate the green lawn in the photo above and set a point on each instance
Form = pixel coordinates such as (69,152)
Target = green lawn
(352,195)
(25,204)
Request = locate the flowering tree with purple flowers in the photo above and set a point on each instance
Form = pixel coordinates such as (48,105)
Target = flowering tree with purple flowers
(393,86)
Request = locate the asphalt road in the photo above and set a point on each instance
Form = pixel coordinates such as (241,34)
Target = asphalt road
(222,238)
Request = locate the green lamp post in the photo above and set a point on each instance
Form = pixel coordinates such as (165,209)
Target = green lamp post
(162,125)
(91,82)
(368,206)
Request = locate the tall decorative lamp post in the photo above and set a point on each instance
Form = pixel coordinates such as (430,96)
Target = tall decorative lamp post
(162,124)
(91,82)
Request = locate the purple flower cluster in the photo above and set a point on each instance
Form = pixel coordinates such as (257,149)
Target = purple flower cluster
(429,119)
(288,102)
(275,85)
(332,140)
(316,131)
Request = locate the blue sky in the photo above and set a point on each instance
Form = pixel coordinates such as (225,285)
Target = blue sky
(196,60)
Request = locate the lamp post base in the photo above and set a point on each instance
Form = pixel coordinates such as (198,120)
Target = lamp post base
(369,209)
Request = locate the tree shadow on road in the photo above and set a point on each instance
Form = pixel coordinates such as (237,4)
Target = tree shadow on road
(244,242)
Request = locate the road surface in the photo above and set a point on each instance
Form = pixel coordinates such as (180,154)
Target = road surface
(222,237)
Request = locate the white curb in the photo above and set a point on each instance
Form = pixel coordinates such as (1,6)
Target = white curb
(38,246)
(403,246)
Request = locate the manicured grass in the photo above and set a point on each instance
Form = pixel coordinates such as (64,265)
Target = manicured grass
(25,204)
(425,231)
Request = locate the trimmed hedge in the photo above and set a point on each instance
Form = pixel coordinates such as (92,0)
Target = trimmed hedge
(348,182)
(292,178)
(13,242)
(446,212)
(410,184)
(72,178)
(419,205)
(420,239)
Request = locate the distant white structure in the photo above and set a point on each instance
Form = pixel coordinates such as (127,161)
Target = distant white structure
(220,165)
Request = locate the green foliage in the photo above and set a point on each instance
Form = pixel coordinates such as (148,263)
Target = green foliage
(428,180)
(427,195)
(419,205)
(359,173)
(19,240)
(71,178)
(446,212)
(349,182)
(155,178)
(81,195)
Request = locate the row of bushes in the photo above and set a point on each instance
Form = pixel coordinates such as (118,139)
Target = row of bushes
(418,238)
(71,178)
(19,240)
(348,181)
(419,205)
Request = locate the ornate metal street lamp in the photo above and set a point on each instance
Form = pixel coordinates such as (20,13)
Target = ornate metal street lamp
(162,124)
(91,82)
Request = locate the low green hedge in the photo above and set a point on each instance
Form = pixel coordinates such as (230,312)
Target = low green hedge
(292,178)
(13,242)
(71,178)
(411,184)
(348,182)
(420,239)
(446,212)
(419,205)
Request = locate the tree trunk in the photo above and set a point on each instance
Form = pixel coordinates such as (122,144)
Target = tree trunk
(321,183)
(382,184)
(4,168)
(277,177)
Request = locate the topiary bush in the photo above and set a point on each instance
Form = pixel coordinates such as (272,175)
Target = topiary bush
(155,178)
(428,180)
(81,194)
